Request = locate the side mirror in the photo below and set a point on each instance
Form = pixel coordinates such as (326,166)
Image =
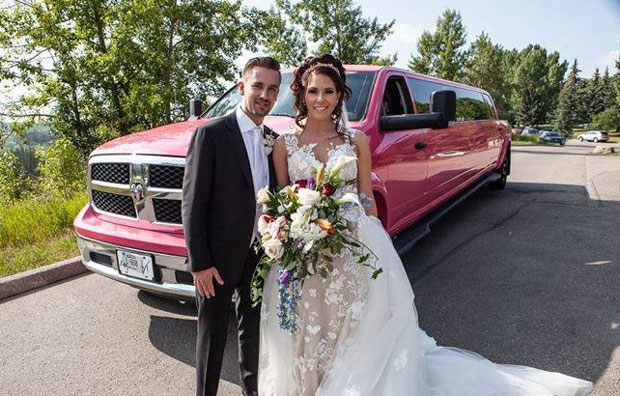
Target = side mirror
(443,110)
(195,108)
(444,103)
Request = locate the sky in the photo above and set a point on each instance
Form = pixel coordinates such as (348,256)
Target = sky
(588,30)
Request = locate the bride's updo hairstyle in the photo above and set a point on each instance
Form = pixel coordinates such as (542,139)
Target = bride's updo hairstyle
(329,66)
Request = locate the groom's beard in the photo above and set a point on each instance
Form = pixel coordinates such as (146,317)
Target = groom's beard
(261,107)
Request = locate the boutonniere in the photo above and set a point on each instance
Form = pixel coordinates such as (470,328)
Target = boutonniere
(270,139)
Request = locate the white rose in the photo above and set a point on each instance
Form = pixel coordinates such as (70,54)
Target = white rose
(308,197)
(262,195)
(273,228)
(263,224)
(273,248)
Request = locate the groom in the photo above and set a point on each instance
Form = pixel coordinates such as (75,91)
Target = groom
(227,163)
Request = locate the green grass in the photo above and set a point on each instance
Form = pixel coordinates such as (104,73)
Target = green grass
(37,232)
(22,258)
(524,140)
(28,221)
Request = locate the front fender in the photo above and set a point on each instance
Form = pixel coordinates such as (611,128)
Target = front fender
(380,193)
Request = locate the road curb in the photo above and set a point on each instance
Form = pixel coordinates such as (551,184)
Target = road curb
(39,277)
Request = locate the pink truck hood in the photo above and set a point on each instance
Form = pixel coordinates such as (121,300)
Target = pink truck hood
(171,140)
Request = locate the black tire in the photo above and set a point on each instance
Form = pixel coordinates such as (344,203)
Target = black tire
(504,171)
(580,138)
(595,140)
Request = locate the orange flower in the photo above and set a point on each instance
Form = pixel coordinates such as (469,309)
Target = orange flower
(325,225)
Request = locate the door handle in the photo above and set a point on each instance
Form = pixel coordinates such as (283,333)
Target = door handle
(420,145)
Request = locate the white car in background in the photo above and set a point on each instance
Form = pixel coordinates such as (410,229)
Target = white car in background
(529,131)
(594,136)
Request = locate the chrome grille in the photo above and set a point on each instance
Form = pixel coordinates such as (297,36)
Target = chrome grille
(111,172)
(167,210)
(163,176)
(114,203)
(144,187)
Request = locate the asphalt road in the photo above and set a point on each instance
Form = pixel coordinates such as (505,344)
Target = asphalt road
(529,275)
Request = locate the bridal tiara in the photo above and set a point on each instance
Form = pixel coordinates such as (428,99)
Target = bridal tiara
(315,66)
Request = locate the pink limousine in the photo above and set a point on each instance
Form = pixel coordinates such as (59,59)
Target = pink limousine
(433,143)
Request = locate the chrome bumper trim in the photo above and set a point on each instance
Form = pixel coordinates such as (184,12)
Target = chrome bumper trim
(167,265)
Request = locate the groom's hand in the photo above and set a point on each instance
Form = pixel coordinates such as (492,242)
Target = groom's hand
(203,281)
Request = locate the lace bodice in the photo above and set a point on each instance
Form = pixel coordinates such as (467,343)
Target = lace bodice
(302,159)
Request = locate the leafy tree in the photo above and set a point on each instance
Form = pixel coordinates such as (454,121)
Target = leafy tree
(536,83)
(103,68)
(608,119)
(281,40)
(339,28)
(441,53)
(484,69)
(570,109)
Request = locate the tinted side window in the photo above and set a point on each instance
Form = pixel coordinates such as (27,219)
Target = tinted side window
(470,106)
(422,91)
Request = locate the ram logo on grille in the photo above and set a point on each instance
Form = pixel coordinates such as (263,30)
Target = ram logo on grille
(137,190)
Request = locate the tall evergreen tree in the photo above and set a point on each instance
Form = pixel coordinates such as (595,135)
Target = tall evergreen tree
(608,93)
(569,110)
(441,53)
(340,28)
(594,96)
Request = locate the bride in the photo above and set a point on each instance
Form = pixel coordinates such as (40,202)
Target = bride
(356,335)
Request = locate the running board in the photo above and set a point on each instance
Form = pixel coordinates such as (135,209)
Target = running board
(406,239)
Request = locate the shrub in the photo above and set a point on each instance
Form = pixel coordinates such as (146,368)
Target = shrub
(14,182)
(62,169)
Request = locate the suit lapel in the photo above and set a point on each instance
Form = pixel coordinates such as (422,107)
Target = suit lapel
(238,147)
(272,172)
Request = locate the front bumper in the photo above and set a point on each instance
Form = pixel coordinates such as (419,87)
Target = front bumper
(174,281)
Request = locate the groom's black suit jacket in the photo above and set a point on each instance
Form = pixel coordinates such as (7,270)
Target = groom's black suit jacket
(219,203)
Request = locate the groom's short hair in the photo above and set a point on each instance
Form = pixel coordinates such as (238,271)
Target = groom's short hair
(262,61)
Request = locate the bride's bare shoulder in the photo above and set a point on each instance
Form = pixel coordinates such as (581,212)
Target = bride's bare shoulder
(357,137)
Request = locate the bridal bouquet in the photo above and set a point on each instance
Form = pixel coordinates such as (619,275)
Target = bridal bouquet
(301,230)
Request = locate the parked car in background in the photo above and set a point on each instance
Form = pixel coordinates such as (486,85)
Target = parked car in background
(431,140)
(594,136)
(529,131)
(552,137)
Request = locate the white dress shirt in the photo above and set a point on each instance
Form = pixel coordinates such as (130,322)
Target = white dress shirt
(254,146)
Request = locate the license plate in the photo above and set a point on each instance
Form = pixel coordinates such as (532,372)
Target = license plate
(136,265)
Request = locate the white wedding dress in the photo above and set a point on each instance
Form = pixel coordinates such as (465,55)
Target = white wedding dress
(360,337)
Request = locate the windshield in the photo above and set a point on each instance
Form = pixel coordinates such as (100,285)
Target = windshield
(359,82)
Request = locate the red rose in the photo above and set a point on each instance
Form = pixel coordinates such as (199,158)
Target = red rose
(328,189)
(302,183)
(267,218)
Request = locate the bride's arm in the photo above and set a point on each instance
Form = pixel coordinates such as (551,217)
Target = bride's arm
(279,162)
(364,185)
